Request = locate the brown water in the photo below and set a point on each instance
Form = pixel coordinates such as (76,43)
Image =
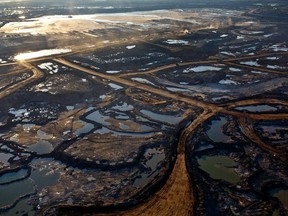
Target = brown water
(219,167)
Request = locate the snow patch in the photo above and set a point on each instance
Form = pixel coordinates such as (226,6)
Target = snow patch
(234,69)
(19,112)
(220,98)
(250,63)
(2,61)
(227,53)
(239,37)
(258,72)
(70,107)
(172,89)
(130,47)
(113,72)
(182,42)
(141,80)
(115,86)
(50,67)
(223,35)
(277,48)
(201,69)
(183,83)
(227,82)
(272,58)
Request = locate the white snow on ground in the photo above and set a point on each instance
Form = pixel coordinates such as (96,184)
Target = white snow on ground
(252,32)
(201,69)
(115,86)
(40,53)
(227,53)
(250,63)
(183,83)
(277,48)
(227,82)
(272,58)
(273,4)
(141,80)
(66,132)
(50,67)
(70,107)
(130,47)
(183,42)
(220,98)
(18,113)
(224,35)
(268,35)
(234,69)
(275,67)
(258,72)
(102,97)
(239,37)
(173,89)
(2,61)
(41,87)
(112,71)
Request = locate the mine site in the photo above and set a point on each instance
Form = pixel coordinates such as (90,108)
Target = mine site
(128,108)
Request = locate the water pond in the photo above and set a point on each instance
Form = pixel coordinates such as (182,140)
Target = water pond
(219,167)
(215,132)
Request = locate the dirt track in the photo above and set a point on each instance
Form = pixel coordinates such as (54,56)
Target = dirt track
(37,74)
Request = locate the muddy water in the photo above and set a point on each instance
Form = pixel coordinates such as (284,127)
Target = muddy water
(219,167)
